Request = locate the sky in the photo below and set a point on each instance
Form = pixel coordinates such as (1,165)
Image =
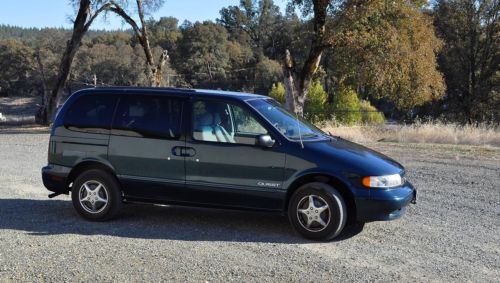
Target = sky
(57,13)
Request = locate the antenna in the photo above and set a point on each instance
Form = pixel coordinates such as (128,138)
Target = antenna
(298,126)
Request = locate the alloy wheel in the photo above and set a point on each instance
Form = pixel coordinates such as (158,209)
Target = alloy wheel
(93,196)
(313,213)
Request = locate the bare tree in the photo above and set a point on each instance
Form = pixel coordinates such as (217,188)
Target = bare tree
(154,72)
(87,12)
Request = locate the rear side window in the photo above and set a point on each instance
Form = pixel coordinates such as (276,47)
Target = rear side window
(148,116)
(92,111)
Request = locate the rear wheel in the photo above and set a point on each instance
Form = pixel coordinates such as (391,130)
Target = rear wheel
(317,211)
(96,195)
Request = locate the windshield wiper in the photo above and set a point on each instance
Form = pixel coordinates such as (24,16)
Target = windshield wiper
(311,135)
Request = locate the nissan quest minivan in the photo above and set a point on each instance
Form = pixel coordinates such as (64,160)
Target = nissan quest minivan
(110,146)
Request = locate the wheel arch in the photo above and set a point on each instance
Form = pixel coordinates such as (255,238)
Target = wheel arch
(86,165)
(331,180)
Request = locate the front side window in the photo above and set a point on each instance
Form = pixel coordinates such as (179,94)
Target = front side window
(288,124)
(91,111)
(148,116)
(223,122)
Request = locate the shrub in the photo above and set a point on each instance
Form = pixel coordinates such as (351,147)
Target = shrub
(370,114)
(347,109)
(278,92)
(315,105)
(346,106)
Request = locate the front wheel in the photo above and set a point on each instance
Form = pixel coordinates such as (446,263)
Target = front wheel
(96,195)
(317,211)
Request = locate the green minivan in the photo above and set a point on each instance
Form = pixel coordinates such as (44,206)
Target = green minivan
(112,146)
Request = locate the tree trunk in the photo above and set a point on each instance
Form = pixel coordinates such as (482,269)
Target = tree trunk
(158,72)
(45,91)
(290,83)
(209,71)
(297,83)
(144,40)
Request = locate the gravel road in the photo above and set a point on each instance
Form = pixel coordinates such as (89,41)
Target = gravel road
(452,234)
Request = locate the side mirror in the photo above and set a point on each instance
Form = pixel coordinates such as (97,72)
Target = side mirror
(265,141)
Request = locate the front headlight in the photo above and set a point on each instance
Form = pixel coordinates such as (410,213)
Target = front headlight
(388,181)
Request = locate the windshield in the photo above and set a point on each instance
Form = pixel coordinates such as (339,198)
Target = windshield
(285,121)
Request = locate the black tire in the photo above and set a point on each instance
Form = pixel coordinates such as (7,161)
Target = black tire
(333,217)
(109,191)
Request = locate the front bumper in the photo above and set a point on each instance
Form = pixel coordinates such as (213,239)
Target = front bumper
(386,204)
(54,178)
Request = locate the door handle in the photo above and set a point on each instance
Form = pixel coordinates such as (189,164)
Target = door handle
(177,150)
(189,152)
(183,151)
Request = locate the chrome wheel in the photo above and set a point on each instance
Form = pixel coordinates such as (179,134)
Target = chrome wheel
(93,196)
(313,213)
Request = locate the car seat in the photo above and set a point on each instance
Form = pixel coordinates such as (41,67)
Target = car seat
(204,128)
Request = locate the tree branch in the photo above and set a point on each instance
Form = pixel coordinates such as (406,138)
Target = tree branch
(140,33)
(96,13)
(147,48)
(140,11)
(117,9)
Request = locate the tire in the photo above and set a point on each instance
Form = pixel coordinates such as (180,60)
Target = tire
(96,195)
(324,220)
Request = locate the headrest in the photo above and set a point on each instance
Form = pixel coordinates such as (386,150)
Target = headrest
(206,119)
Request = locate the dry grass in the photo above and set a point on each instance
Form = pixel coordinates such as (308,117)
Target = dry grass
(429,132)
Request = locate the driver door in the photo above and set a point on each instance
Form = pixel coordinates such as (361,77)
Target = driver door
(226,167)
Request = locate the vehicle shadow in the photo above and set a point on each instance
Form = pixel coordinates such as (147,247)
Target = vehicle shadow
(55,217)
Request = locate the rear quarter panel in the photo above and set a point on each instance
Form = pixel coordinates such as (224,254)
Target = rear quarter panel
(69,147)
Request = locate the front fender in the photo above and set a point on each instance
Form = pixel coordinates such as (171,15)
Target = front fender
(315,171)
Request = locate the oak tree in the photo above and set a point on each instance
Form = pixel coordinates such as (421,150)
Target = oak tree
(388,46)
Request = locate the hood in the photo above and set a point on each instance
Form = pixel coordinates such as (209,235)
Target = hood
(352,158)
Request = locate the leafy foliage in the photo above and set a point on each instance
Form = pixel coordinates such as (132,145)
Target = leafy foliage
(115,65)
(389,48)
(16,67)
(278,92)
(204,48)
(470,58)
(382,51)
(166,34)
(315,104)
(369,114)
(346,106)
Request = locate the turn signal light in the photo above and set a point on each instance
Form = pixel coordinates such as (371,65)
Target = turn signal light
(388,181)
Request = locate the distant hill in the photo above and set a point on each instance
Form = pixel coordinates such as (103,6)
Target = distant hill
(21,33)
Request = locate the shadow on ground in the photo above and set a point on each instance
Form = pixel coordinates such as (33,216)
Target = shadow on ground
(55,217)
(12,128)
